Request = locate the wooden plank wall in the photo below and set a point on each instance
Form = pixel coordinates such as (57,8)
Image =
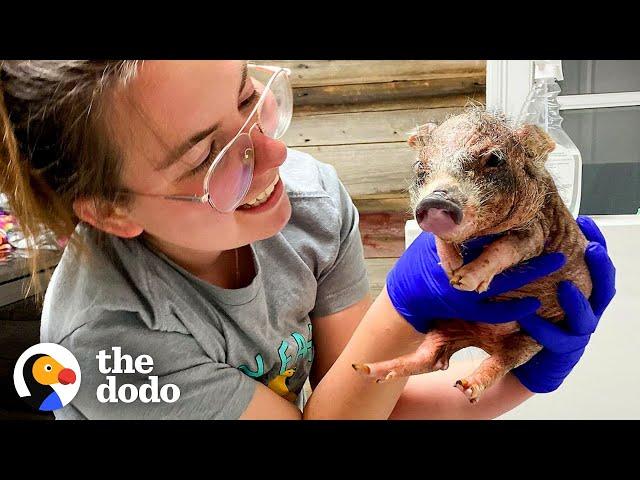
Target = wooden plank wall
(355,115)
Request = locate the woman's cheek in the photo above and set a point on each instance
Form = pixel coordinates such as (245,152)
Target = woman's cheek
(169,218)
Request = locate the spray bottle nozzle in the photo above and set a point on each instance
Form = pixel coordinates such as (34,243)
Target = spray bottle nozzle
(548,69)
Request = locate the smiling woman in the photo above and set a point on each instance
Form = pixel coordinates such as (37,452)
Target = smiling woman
(235,263)
(192,283)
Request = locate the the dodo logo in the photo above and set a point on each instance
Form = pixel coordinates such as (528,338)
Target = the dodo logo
(47,376)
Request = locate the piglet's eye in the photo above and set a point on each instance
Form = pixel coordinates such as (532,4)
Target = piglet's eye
(417,167)
(492,160)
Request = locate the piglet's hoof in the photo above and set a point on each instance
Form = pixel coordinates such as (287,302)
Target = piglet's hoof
(471,390)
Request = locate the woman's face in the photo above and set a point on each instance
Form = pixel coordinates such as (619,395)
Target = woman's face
(157,113)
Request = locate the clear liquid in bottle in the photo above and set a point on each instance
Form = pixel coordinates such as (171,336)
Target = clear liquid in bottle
(564,163)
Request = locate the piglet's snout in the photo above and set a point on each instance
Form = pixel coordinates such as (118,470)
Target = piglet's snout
(438,212)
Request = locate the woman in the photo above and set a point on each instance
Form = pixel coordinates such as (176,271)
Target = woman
(234,263)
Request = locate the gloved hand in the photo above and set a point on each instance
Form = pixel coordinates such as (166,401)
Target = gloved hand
(419,288)
(563,347)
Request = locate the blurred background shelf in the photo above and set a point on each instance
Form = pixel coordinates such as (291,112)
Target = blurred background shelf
(19,328)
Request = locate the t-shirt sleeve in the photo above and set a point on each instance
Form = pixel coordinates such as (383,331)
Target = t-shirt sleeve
(343,282)
(208,388)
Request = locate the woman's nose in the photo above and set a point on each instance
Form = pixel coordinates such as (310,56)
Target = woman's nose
(269,152)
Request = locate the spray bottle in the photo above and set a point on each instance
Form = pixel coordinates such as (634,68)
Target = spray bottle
(542,108)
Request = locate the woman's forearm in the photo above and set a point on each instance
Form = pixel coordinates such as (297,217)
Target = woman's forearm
(343,393)
(433,396)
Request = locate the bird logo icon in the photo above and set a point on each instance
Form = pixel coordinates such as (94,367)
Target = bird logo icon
(47,376)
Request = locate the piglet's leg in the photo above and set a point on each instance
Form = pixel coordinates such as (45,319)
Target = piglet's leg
(515,350)
(450,258)
(503,253)
(489,371)
(432,354)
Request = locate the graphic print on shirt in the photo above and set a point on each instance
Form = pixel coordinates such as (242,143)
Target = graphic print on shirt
(304,349)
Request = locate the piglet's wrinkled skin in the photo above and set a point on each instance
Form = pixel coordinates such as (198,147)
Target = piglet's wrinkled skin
(476,175)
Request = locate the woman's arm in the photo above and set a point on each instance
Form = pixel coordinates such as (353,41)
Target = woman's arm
(342,393)
(331,333)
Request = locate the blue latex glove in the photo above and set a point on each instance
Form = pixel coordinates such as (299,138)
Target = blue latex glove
(419,288)
(565,342)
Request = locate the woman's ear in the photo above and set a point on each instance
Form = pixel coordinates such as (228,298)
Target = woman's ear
(420,135)
(113,220)
(536,142)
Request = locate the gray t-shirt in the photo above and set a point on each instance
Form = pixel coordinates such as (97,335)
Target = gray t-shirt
(211,343)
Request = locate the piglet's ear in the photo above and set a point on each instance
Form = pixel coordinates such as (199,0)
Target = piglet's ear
(536,142)
(420,134)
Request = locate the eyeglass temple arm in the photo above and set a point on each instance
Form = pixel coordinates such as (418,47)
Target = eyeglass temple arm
(269,68)
(185,198)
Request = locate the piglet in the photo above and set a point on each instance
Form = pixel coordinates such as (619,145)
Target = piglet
(476,175)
